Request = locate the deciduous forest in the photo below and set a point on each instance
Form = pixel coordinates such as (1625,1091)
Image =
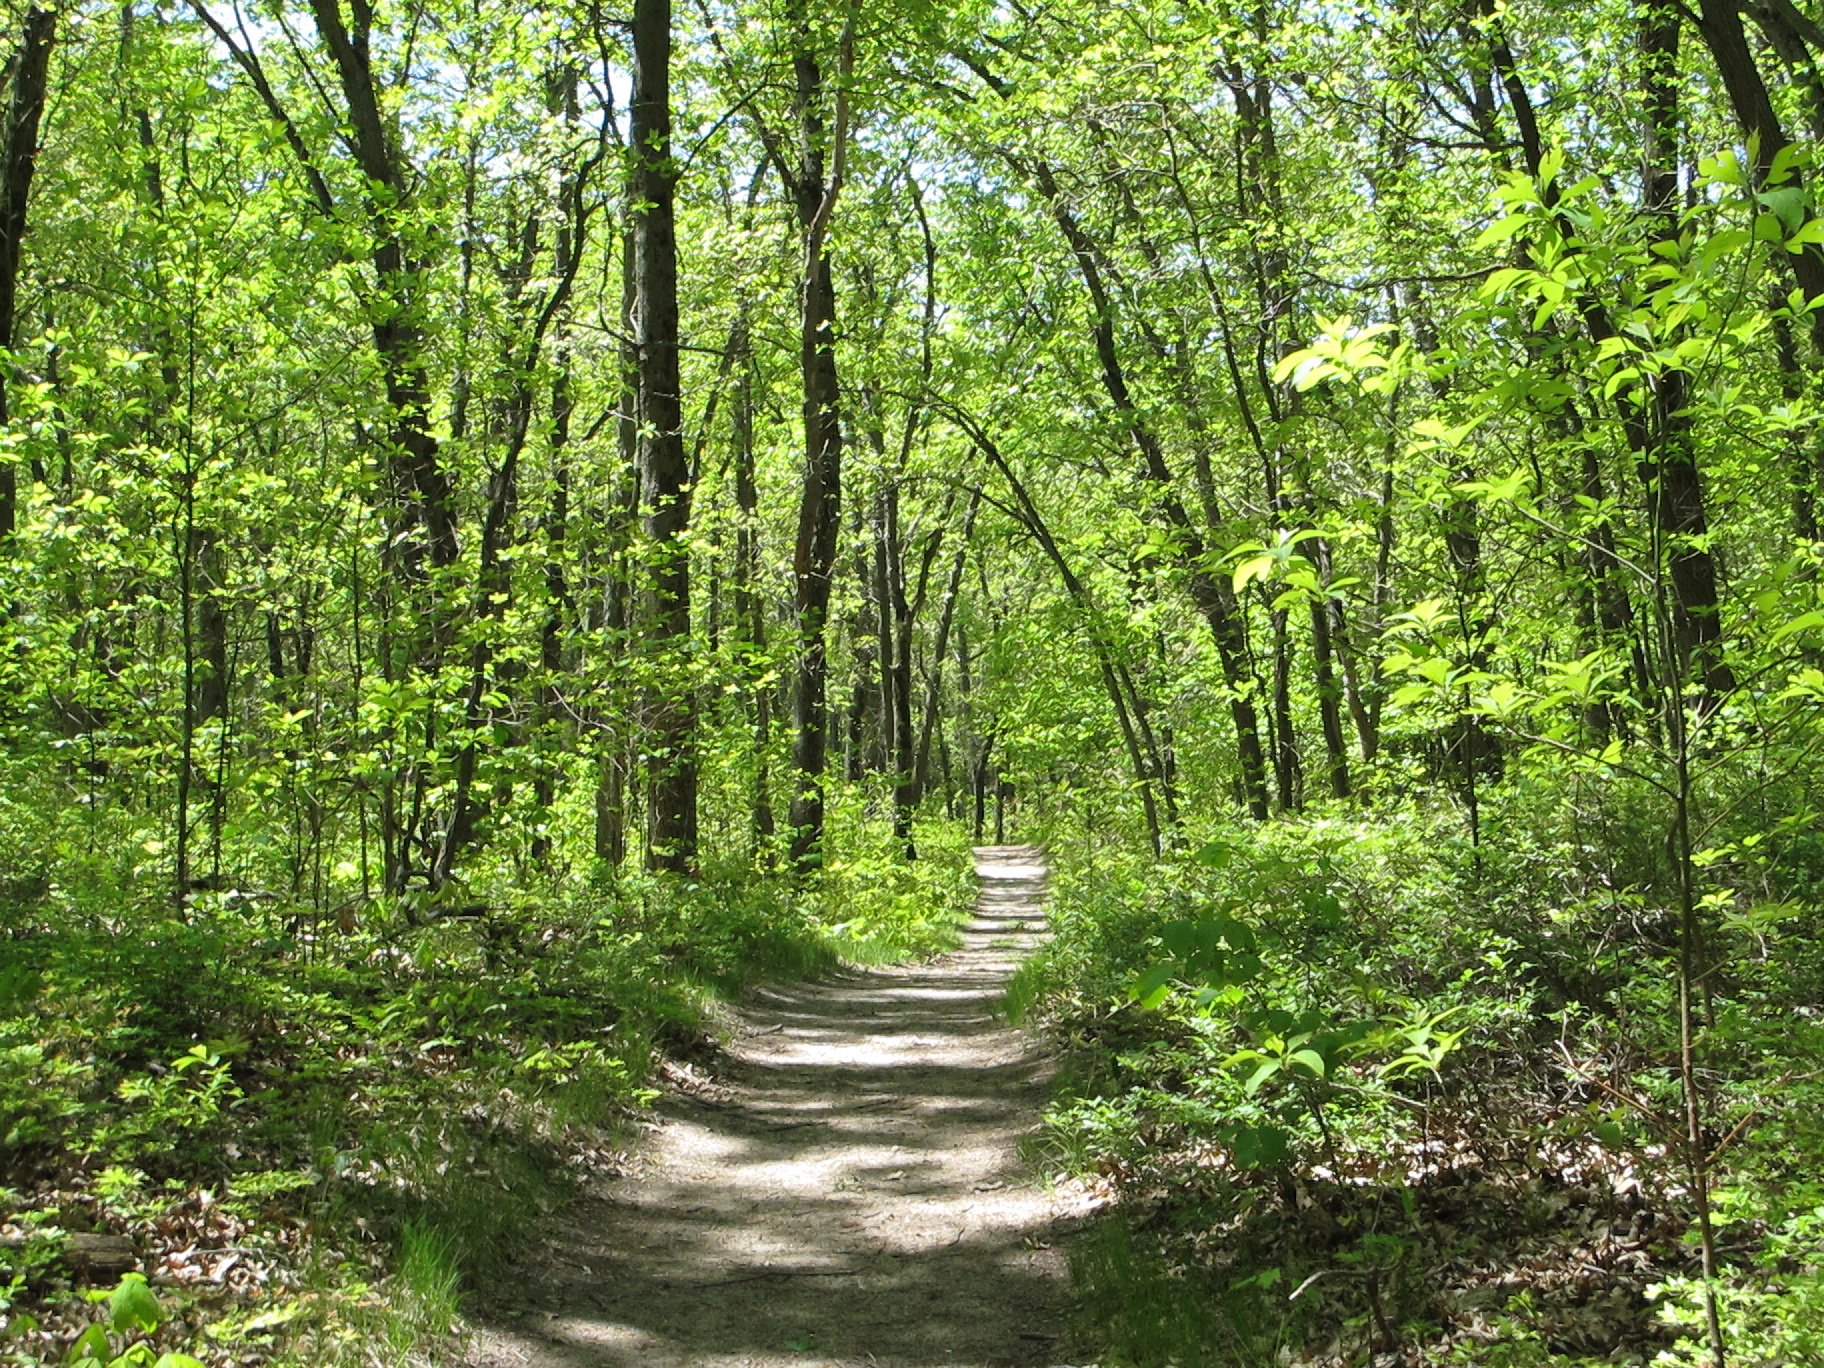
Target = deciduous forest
(518,523)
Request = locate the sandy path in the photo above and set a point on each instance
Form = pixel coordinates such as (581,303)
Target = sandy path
(849,1194)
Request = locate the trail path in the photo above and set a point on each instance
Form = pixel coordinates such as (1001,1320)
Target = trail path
(849,1193)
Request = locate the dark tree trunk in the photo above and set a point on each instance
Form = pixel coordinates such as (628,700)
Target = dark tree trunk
(1288,765)
(426,500)
(24,80)
(750,604)
(664,467)
(1210,592)
(896,670)
(1122,695)
(558,611)
(611,770)
(1325,628)
(559,607)
(820,499)
(1658,429)
(1666,448)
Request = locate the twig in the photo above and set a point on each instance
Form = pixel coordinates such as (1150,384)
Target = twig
(1301,1289)
(1646,1111)
(780,1273)
(1729,1139)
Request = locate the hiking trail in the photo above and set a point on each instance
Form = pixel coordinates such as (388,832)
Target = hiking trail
(847,1193)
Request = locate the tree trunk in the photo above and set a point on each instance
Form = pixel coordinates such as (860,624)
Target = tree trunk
(1122,695)
(1658,429)
(941,645)
(24,79)
(664,468)
(750,604)
(426,500)
(820,499)
(1211,593)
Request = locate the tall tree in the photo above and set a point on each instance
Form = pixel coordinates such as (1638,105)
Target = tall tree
(664,467)
(814,182)
(23,80)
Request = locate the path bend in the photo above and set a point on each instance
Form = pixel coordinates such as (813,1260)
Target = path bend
(849,1193)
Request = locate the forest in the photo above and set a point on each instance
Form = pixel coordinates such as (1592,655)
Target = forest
(519,523)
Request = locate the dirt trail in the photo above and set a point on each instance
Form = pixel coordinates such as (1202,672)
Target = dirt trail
(849,1193)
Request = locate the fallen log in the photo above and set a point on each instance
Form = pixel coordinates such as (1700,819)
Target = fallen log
(86,1253)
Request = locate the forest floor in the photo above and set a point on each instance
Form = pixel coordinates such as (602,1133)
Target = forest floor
(843,1186)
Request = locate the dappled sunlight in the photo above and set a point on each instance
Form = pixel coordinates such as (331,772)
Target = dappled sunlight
(848,1191)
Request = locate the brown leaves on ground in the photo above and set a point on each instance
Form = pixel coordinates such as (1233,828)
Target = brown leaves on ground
(1500,1222)
(209,1259)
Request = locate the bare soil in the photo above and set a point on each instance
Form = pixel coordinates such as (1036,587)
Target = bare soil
(849,1191)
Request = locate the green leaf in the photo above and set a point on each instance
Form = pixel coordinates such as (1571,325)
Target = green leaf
(1804,622)
(1241,968)
(1239,935)
(1787,204)
(1785,162)
(1258,1079)
(1152,987)
(1810,234)
(91,1346)
(1261,1146)
(1256,567)
(1216,855)
(1267,1277)
(1311,1060)
(1725,168)
(1501,230)
(132,1305)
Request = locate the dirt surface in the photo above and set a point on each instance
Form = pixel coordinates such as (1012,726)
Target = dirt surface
(848,1192)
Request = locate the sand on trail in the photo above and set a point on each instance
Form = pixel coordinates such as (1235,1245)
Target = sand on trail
(848,1192)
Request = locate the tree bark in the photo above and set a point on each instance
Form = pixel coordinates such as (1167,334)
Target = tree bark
(664,467)
(25,77)
(941,645)
(820,499)
(750,604)
(1667,451)
(1122,696)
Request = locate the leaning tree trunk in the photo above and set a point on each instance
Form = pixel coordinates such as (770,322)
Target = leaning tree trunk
(1211,593)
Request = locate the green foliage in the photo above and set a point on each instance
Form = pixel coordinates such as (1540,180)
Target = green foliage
(1381,990)
(1308,412)
(134,1314)
(439,1082)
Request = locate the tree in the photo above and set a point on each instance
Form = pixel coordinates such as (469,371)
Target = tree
(24,81)
(665,485)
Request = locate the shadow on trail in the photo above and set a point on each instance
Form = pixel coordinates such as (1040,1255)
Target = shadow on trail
(853,1194)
